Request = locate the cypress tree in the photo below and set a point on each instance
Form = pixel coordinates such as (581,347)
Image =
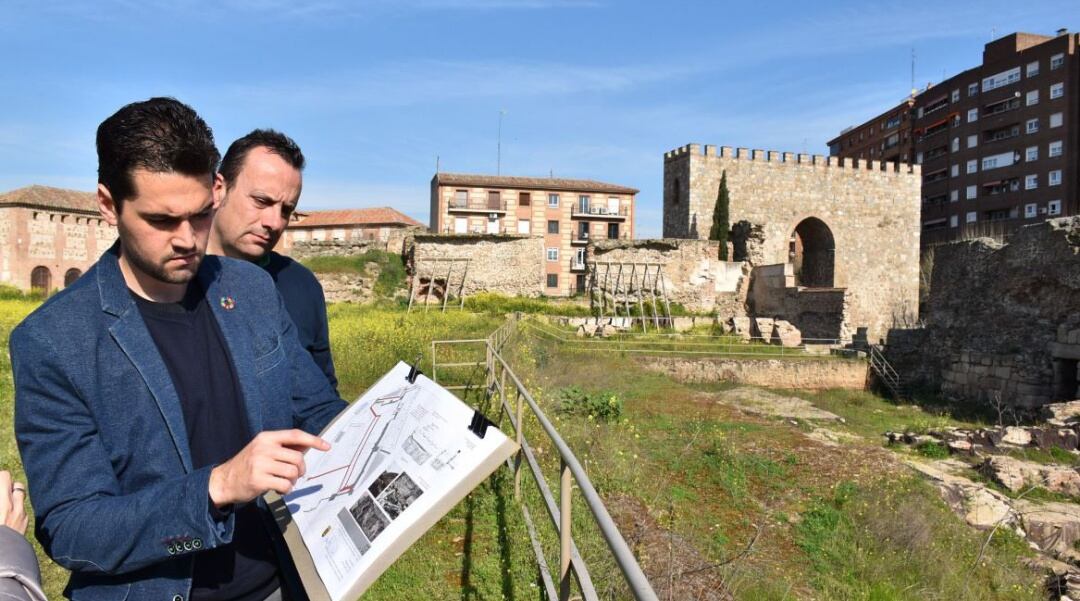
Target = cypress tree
(721,225)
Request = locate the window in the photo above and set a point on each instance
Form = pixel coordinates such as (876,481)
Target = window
(1055,120)
(918,158)
(973,141)
(553,254)
(613,231)
(1053,207)
(973,89)
(524,227)
(995,161)
(1033,98)
(1054,149)
(971,217)
(1057,90)
(461,199)
(973,115)
(1031,154)
(494,201)
(524,199)
(1030,210)
(956,144)
(1055,178)
(1031,182)
(1000,80)
(552,280)
(461,225)
(553,226)
(1057,61)
(579,258)
(954,171)
(953,220)
(1032,125)
(954,195)
(970,193)
(553,200)
(955,96)
(972,166)
(583,204)
(1033,69)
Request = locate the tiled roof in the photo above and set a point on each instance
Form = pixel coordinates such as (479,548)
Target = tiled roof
(372,216)
(48,197)
(530,183)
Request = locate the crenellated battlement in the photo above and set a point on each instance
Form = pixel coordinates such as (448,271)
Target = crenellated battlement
(787,158)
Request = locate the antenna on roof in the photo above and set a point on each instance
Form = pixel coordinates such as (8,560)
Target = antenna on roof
(436,164)
(498,155)
(551,173)
(913,71)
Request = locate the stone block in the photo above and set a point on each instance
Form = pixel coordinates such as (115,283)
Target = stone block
(785,334)
(682,324)
(763,327)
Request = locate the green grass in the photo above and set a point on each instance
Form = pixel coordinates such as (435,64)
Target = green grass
(498,304)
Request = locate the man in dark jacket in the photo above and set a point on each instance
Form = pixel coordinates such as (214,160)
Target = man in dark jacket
(259,184)
(159,396)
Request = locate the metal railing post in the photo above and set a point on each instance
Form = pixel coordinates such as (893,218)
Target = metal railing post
(520,440)
(564,532)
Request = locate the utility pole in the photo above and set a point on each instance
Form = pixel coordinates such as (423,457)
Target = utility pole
(498,150)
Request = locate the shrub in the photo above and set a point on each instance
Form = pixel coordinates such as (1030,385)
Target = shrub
(603,405)
(931,449)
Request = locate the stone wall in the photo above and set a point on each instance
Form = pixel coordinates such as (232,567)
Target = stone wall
(1002,322)
(331,248)
(65,243)
(819,313)
(693,275)
(870,209)
(802,374)
(506,264)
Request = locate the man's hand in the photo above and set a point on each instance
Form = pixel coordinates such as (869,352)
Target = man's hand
(12,503)
(271,461)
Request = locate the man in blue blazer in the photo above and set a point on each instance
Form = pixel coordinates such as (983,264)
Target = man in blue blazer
(158,397)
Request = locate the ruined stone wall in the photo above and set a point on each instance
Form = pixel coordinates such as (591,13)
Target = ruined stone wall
(693,275)
(1002,322)
(870,208)
(818,313)
(301,250)
(56,240)
(506,264)
(802,374)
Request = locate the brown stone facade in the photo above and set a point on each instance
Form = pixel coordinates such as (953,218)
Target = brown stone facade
(1002,321)
(845,225)
(507,264)
(49,237)
(565,213)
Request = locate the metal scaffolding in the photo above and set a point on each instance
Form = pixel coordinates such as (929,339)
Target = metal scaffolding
(447,282)
(615,287)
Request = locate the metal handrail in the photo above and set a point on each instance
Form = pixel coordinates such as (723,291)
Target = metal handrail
(571,564)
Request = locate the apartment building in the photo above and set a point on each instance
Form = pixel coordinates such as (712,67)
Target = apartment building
(377,224)
(566,212)
(999,144)
(886,137)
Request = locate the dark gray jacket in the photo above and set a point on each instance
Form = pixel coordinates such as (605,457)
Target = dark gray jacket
(20,578)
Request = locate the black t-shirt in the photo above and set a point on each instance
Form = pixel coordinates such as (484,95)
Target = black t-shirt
(194,351)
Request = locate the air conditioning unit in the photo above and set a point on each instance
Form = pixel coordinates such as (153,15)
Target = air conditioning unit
(493,216)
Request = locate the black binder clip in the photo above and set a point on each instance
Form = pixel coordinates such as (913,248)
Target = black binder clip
(414,370)
(479,424)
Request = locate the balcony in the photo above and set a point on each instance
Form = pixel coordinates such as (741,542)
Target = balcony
(576,265)
(598,212)
(580,238)
(997,108)
(459,205)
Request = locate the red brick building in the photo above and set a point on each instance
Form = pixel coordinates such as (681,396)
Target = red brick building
(49,236)
(999,143)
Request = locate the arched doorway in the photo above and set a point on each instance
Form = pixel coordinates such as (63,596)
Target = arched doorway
(813,254)
(41,279)
(70,276)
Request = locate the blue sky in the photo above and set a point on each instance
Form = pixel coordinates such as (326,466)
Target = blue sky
(375,90)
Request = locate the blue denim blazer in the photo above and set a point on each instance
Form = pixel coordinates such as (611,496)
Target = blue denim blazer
(101,432)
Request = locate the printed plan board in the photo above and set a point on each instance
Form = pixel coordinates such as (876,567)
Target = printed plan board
(401,457)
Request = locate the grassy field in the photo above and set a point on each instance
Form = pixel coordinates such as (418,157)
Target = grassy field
(713,501)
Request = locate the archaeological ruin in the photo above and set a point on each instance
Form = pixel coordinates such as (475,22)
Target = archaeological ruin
(831,245)
(1002,322)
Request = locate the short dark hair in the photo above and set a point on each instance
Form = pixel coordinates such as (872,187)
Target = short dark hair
(160,135)
(274,141)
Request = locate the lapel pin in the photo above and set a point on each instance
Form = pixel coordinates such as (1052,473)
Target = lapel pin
(227,303)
